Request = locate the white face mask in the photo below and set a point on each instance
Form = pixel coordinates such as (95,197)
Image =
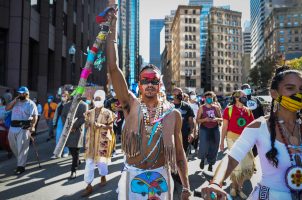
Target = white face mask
(99,104)
(64,99)
(193,97)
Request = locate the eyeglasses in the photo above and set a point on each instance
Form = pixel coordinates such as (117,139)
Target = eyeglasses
(147,81)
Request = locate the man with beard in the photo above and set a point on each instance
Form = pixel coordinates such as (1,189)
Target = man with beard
(151,137)
(187,113)
(24,119)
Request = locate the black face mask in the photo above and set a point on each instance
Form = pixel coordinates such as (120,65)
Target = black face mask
(22,98)
(243,100)
(179,97)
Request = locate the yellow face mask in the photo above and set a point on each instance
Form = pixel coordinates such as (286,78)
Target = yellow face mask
(292,103)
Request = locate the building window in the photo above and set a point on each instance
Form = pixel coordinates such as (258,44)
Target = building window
(281,40)
(296,39)
(194,12)
(289,23)
(228,88)
(52,12)
(296,23)
(190,82)
(281,32)
(186,11)
(220,88)
(281,24)
(36,5)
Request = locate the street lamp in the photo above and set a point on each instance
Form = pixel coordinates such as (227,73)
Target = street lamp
(71,52)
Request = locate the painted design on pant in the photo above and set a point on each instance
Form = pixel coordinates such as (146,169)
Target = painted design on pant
(149,183)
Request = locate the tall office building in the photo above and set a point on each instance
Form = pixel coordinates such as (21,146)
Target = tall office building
(35,38)
(259,11)
(224,71)
(283,33)
(247,45)
(166,64)
(206,6)
(128,39)
(156,26)
(168,23)
(185,32)
(246,57)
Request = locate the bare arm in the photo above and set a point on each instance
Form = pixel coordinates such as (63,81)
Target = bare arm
(117,78)
(224,129)
(33,123)
(219,117)
(11,104)
(182,164)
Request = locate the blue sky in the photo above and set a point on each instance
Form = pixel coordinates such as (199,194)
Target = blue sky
(157,9)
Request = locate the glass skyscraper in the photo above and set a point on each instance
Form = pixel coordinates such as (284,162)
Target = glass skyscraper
(156,25)
(206,6)
(259,11)
(128,39)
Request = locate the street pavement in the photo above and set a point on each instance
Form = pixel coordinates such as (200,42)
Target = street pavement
(51,180)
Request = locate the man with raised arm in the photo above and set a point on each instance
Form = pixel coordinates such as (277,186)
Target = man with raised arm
(151,138)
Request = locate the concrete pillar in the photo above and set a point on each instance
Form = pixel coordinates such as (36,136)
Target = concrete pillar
(43,50)
(17,62)
(58,44)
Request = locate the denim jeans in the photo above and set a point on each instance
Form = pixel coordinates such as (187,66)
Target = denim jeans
(209,139)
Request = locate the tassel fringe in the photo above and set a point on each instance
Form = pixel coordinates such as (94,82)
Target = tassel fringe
(131,143)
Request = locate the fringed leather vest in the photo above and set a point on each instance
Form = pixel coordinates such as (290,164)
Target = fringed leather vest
(132,133)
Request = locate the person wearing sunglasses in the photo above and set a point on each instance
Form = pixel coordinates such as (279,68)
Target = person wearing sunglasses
(151,138)
(235,118)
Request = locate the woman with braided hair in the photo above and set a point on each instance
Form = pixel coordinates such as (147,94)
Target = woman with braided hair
(278,140)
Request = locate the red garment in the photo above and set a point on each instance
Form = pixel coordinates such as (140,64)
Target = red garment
(236,114)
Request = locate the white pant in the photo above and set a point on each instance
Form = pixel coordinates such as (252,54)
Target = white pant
(139,184)
(89,170)
(19,143)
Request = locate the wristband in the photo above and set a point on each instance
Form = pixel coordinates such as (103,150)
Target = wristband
(184,189)
(213,183)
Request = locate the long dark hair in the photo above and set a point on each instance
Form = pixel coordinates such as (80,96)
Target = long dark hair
(280,74)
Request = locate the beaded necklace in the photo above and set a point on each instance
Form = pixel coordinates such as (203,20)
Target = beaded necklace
(293,173)
(146,117)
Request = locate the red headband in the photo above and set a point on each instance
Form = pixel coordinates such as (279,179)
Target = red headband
(150,75)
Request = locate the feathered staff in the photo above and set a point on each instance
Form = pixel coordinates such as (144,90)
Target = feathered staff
(94,57)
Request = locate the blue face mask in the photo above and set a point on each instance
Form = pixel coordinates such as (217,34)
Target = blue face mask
(88,102)
(247,91)
(49,100)
(209,100)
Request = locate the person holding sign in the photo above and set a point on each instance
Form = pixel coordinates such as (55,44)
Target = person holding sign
(235,118)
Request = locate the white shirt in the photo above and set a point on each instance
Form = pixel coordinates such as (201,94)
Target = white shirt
(272,177)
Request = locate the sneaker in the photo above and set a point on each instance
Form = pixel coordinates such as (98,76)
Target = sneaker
(201,165)
(20,170)
(210,168)
(54,157)
(65,155)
